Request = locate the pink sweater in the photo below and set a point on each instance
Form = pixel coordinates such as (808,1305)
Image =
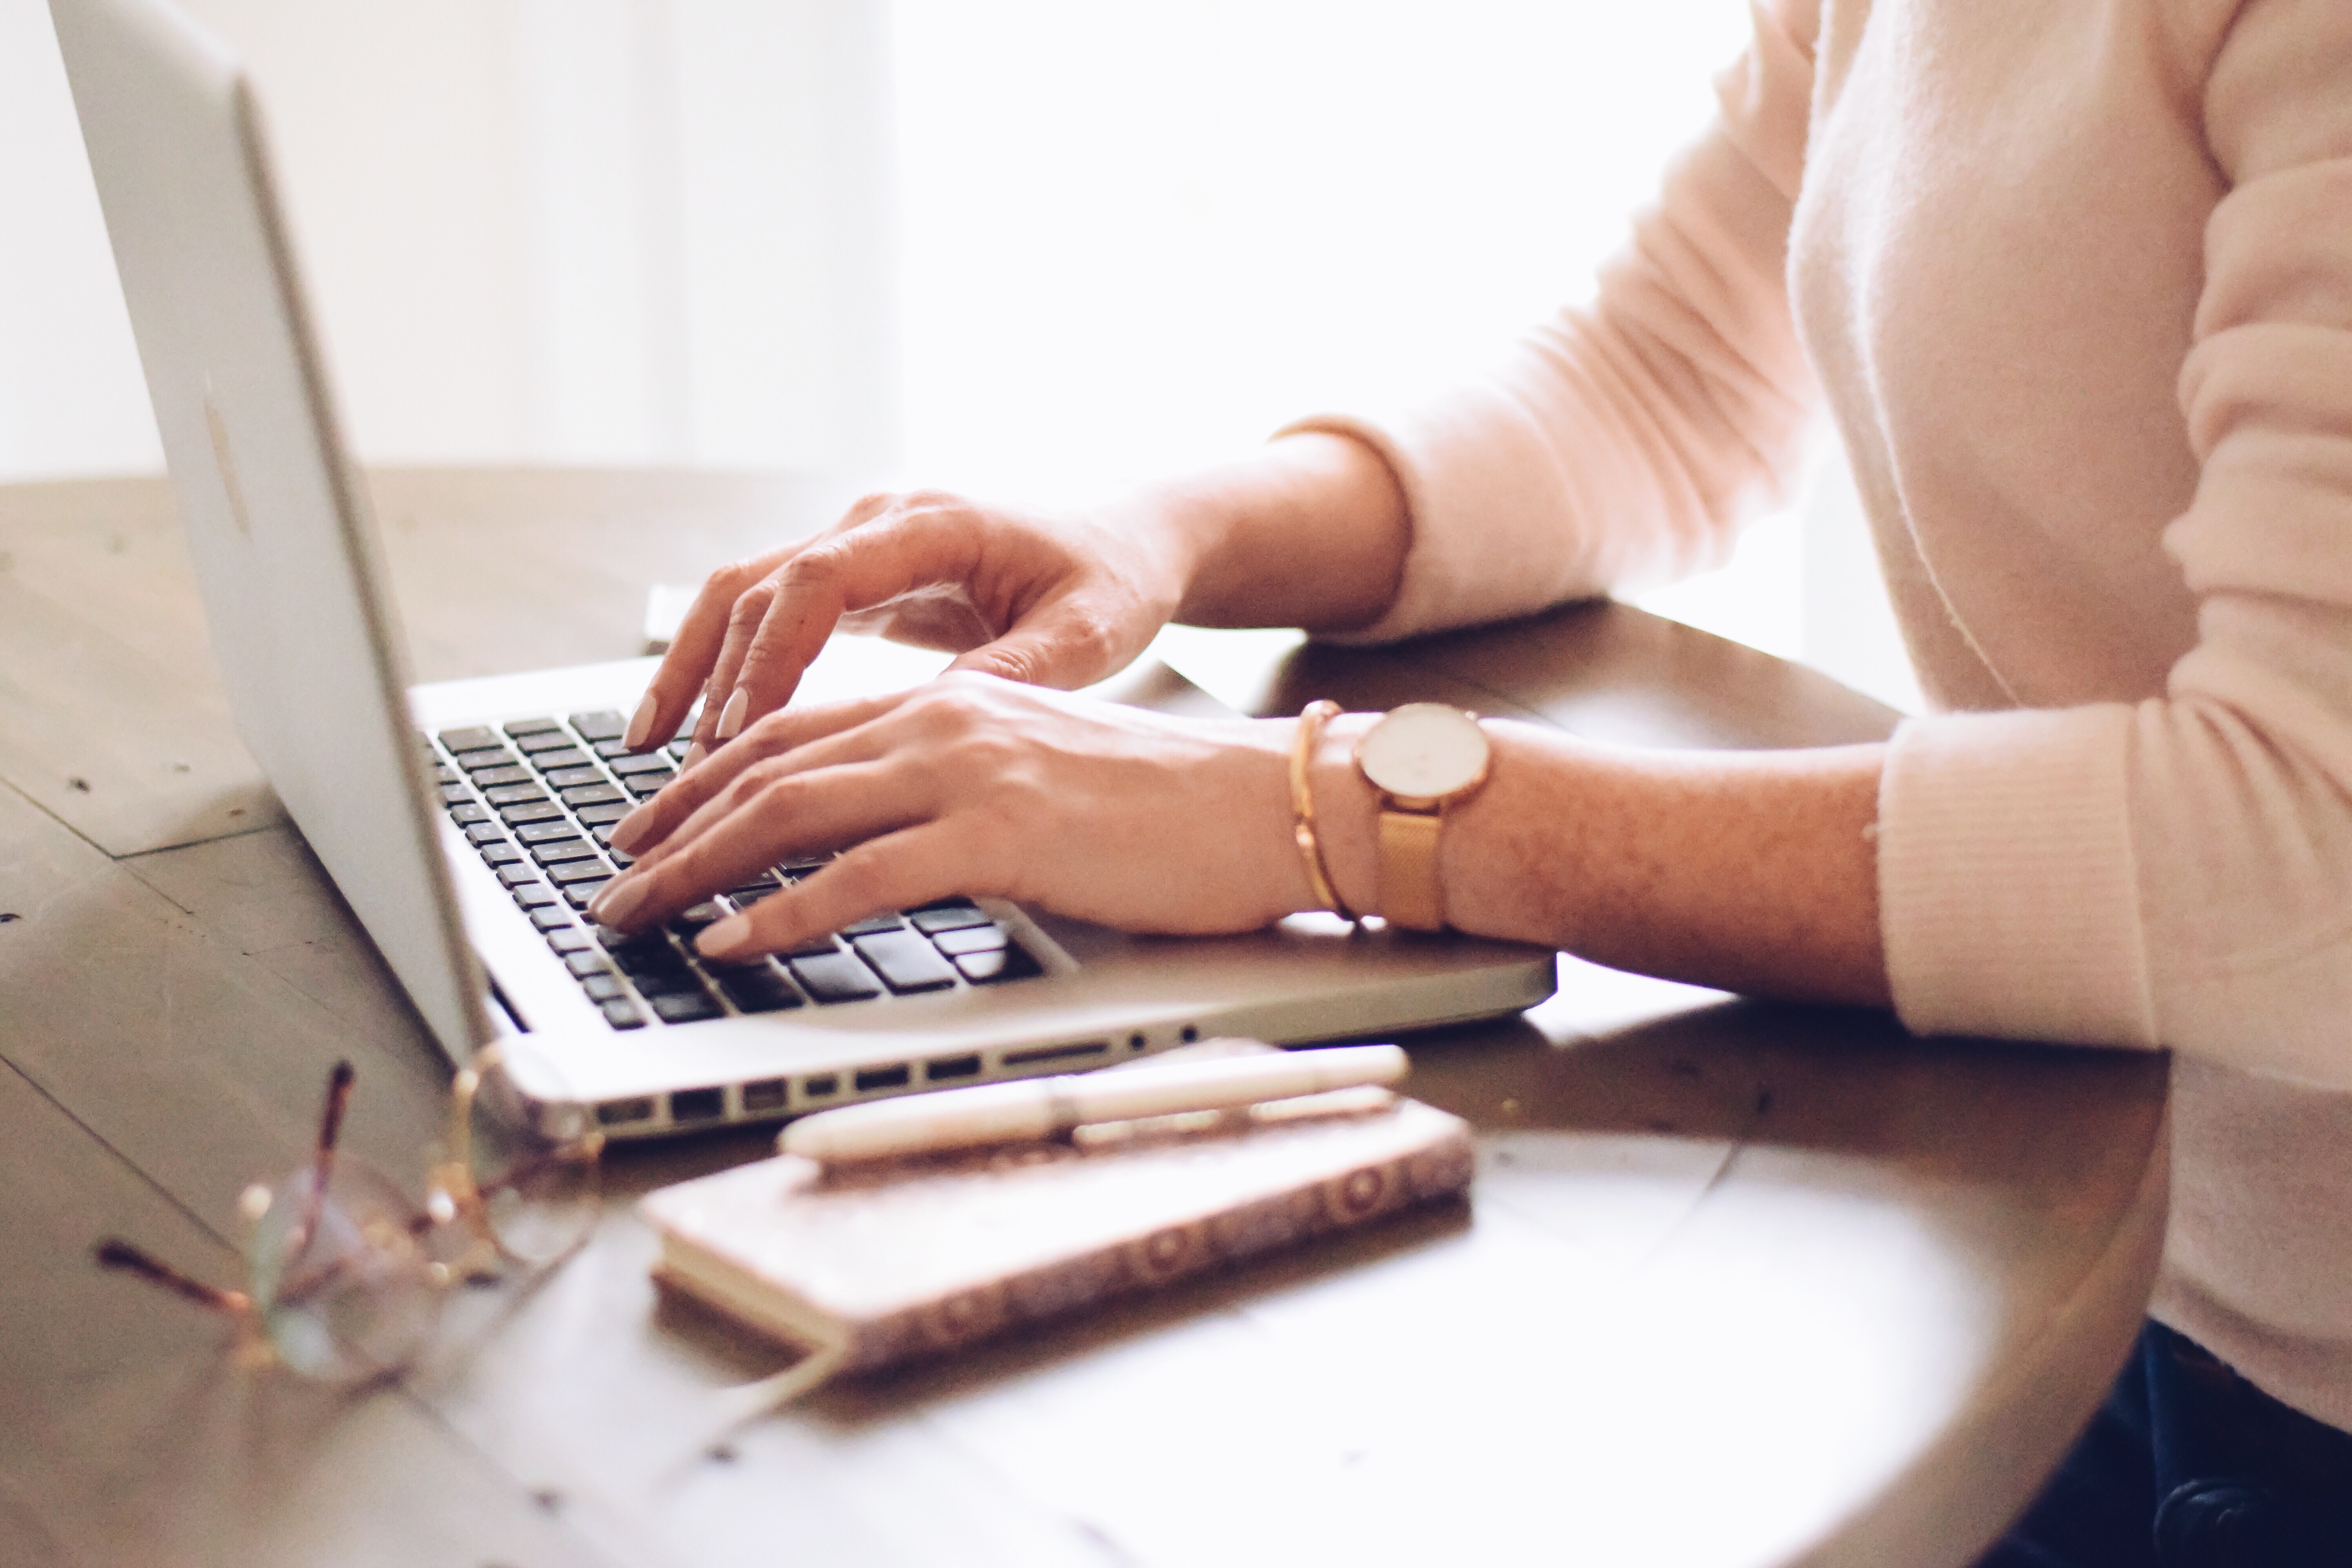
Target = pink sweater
(2075,280)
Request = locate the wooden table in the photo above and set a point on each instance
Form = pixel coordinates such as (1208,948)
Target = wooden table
(1740,1285)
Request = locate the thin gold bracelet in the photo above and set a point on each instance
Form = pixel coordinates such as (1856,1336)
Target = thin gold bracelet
(1312,719)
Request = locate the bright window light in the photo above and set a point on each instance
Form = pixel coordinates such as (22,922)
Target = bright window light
(1135,237)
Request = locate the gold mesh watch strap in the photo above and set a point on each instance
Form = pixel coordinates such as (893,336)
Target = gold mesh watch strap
(1409,891)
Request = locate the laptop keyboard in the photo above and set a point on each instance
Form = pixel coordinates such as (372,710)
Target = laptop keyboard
(538,797)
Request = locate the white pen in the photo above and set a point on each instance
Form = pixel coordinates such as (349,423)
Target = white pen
(1044,1107)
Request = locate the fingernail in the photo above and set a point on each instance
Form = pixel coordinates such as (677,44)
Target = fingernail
(619,899)
(629,830)
(730,718)
(695,754)
(726,939)
(641,723)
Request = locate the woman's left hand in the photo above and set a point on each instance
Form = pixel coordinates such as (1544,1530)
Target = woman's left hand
(972,785)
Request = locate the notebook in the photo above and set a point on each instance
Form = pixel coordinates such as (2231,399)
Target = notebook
(465,822)
(873,1264)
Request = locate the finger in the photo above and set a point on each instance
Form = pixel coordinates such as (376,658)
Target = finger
(693,650)
(918,864)
(654,823)
(807,596)
(752,788)
(784,818)
(1066,644)
(701,660)
(740,631)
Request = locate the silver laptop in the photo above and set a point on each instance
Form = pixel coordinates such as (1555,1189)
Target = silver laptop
(461,821)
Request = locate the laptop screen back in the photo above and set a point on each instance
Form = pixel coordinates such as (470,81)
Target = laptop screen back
(285,554)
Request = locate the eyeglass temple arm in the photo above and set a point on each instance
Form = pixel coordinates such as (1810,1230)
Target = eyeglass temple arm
(322,1162)
(116,1253)
(331,1119)
(470,1203)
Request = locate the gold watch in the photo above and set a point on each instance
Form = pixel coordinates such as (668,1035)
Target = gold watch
(1422,758)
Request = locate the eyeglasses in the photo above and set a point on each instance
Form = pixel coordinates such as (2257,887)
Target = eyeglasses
(346,1276)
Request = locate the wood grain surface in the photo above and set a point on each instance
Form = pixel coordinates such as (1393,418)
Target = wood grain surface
(1739,1284)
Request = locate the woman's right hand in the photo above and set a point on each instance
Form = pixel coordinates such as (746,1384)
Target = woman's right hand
(1060,601)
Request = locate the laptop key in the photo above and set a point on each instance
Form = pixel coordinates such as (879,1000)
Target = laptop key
(683,1008)
(467,815)
(815,947)
(596,794)
(562,757)
(500,854)
(755,987)
(970,939)
(491,778)
(551,919)
(674,979)
(599,814)
(1006,962)
(572,778)
(648,959)
(571,871)
(605,724)
(579,894)
(906,962)
(544,743)
(538,896)
(442,773)
(475,761)
(835,977)
(645,786)
(546,832)
(622,1014)
(518,728)
(872,924)
(603,987)
(583,965)
(532,811)
(469,740)
(611,749)
(949,917)
(516,876)
(562,849)
(653,761)
(695,918)
(480,833)
(515,794)
(570,938)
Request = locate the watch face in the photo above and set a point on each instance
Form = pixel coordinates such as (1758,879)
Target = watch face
(1423,750)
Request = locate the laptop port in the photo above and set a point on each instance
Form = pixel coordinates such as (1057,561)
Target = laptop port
(1057,1053)
(614,1113)
(819,1086)
(884,1078)
(952,1066)
(698,1105)
(768,1094)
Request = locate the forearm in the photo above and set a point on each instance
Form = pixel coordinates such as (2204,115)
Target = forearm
(1755,871)
(1310,532)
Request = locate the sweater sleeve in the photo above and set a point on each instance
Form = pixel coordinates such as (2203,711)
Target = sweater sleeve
(2204,838)
(1626,441)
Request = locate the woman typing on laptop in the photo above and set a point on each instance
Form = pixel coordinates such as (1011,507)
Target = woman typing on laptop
(2076,286)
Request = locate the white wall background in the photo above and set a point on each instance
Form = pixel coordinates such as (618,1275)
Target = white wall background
(1026,246)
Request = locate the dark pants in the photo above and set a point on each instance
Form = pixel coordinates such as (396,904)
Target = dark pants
(2189,1465)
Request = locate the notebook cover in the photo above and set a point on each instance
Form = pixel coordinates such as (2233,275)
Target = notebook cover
(910,1258)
